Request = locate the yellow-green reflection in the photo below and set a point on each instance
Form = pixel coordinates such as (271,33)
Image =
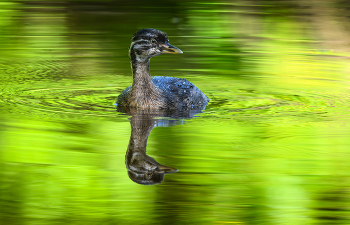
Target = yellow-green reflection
(272,146)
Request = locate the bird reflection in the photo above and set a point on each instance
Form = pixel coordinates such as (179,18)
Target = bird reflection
(142,168)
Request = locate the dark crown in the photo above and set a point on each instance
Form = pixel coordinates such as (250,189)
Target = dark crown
(160,36)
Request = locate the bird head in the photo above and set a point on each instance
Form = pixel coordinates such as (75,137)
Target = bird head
(144,169)
(147,43)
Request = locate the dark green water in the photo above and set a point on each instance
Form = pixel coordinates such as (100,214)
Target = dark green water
(272,146)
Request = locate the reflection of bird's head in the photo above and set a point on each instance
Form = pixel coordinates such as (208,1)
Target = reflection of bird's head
(147,43)
(143,169)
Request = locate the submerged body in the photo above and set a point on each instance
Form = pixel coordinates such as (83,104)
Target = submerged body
(158,92)
(167,93)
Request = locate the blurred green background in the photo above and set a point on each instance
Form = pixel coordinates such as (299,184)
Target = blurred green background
(272,146)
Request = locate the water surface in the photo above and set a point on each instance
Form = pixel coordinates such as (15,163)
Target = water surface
(272,146)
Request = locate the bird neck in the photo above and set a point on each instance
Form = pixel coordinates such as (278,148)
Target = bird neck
(141,75)
(141,127)
(144,92)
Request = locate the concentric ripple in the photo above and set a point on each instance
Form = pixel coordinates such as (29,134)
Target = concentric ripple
(266,107)
(96,101)
(243,104)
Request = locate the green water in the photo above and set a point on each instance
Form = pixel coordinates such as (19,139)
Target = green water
(272,146)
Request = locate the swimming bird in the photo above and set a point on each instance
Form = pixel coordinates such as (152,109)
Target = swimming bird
(160,92)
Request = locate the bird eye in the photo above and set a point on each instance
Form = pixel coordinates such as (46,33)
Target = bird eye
(153,41)
(148,175)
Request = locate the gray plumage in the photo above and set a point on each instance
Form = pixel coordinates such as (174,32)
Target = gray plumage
(158,92)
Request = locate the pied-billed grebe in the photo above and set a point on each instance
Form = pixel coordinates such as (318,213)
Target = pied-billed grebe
(157,92)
